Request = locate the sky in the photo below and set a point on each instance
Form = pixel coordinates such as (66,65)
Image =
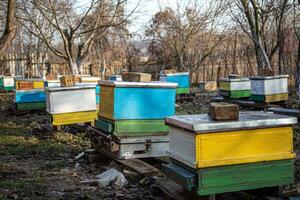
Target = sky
(144,12)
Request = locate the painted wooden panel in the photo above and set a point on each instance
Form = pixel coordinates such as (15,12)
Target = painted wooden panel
(133,127)
(144,103)
(8,82)
(182,79)
(236,93)
(115,78)
(232,178)
(182,90)
(30,96)
(270,98)
(31,106)
(232,147)
(8,88)
(137,103)
(29,85)
(73,118)
(107,102)
(52,83)
(233,86)
(269,86)
(135,147)
(67,100)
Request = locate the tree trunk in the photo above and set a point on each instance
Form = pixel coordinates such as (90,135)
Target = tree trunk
(10,30)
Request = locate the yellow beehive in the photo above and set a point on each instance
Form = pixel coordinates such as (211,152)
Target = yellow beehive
(210,147)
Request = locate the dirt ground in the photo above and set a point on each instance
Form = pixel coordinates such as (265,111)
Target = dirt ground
(37,162)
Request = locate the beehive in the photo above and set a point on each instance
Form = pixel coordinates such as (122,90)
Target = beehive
(115,78)
(29,84)
(52,83)
(269,89)
(212,157)
(235,88)
(209,86)
(136,101)
(7,83)
(89,79)
(256,137)
(30,99)
(70,105)
(182,80)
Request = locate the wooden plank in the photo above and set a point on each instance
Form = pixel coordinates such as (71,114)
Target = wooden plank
(140,167)
(107,102)
(136,77)
(270,98)
(176,191)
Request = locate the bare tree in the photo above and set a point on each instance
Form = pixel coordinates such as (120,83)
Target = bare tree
(76,32)
(187,37)
(10,29)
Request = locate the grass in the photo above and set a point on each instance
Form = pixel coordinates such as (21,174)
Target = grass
(12,184)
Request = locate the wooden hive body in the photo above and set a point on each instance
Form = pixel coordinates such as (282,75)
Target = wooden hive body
(182,79)
(52,83)
(269,85)
(256,137)
(137,101)
(7,83)
(235,88)
(232,178)
(71,99)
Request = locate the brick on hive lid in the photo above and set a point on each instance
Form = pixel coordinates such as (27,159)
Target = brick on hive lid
(266,72)
(67,81)
(136,77)
(223,111)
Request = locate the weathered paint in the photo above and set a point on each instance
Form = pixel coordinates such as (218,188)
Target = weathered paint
(236,93)
(118,103)
(232,178)
(29,96)
(234,84)
(71,99)
(269,85)
(231,147)
(29,84)
(31,106)
(270,98)
(133,127)
(134,147)
(182,79)
(73,118)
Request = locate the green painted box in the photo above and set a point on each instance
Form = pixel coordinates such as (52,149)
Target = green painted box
(232,178)
(31,106)
(183,90)
(236,94)
(132,127)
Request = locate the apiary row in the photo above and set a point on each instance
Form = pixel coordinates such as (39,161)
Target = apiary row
(261,89)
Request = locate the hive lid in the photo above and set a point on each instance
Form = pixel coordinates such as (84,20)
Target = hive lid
(247,120)
(176,74)
(155,84)
(268,77)
(235,80)
(82,87)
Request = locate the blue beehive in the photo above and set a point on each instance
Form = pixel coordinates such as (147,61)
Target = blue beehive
(182,79)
